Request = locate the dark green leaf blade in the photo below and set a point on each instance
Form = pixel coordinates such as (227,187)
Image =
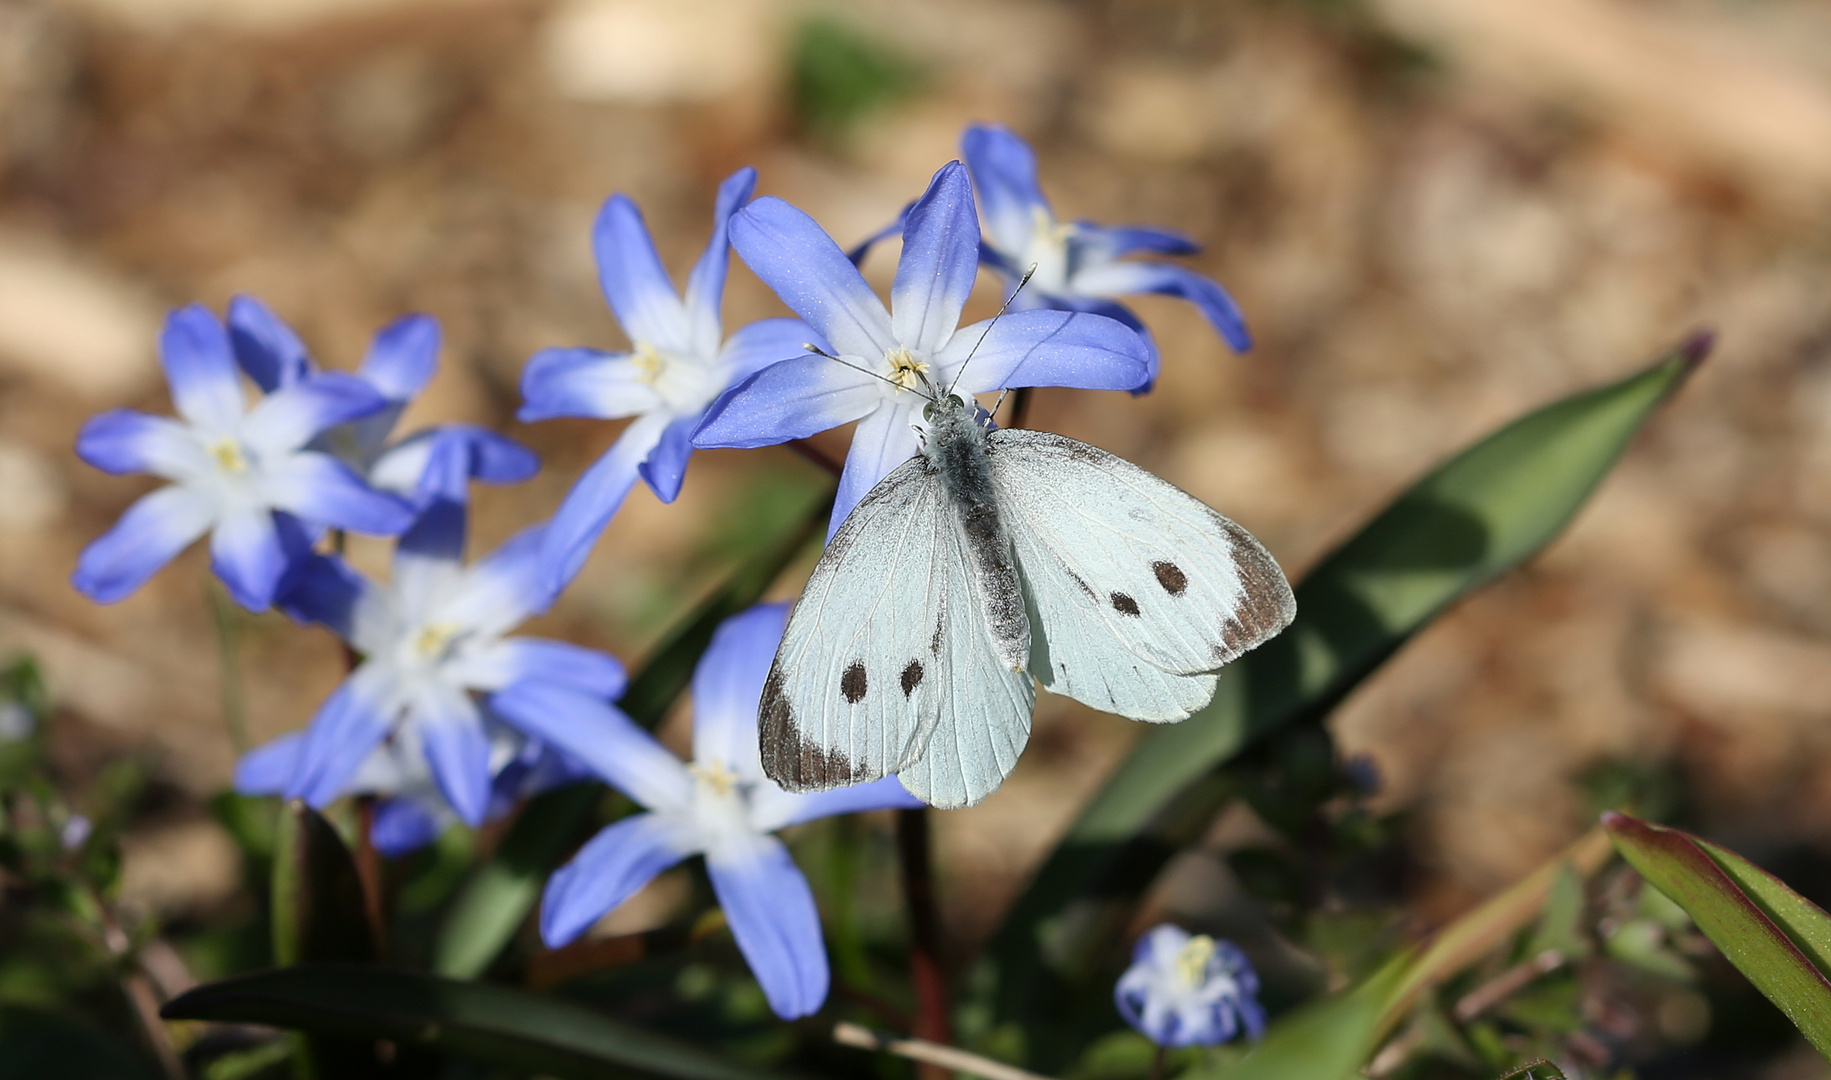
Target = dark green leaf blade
(1771,940)
(502,892)
(507,1027)
(1485,511)
(318,909)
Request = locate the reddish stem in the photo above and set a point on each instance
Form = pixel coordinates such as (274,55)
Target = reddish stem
(926,969)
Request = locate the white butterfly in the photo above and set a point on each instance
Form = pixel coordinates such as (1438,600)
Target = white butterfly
(992,557)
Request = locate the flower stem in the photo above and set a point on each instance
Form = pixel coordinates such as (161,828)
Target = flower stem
(229,667)
(1157,1062)
(369,870)
(926,968)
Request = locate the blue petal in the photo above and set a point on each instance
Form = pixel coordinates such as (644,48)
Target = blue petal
(1102,242)
(772,915)
(492,458)
(252,555)
(1112,309)
(633,278)
(584,382)
(791,399)
(594,500)
(1004,171)
(940,261)
(288,418)
(795,257)
(495,458)
(401,826)
(598,734)
(149,535)
(727,684)
(348,726)
(496,594)
(266,769)
(324,589)
(706,285)
(264,346)
(403,357)
(766,342)
(1121,278)
(456,748)
(125,441)
(666,464)
(512,660)
(880,443)
(607,871)
(199,365)
(885,794)
(324,491)
(1046,347)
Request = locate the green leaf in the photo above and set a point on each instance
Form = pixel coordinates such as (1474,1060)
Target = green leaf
(497,899)
(318,909)
(512,1028)
(1777,938)
(1328,1039)
(1485,511)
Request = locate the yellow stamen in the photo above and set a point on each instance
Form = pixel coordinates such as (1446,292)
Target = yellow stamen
(229,456)
(433,640)
(649,362)
(1192,961)
(905,370)
(1042,224)
(715,773)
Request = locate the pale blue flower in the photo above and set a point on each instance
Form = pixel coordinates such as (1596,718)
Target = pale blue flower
(678,363)
(431,638)
(721,806)
(246,476)
(1185,990)
(411,811)
(888,359)
(401,360)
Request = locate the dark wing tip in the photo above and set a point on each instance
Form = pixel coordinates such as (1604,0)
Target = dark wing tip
(1267,604)
(794,762)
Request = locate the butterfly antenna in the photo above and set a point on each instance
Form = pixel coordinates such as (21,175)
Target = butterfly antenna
(1028,274)
(818,351)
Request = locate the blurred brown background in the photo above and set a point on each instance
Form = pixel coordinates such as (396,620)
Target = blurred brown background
(1436,213)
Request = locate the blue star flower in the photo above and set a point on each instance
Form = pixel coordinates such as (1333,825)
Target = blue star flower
(1080,265)
(720,806)
(1184,990)
(402,359)
(412,812)
(246,476)
(888,359)
(431,638)
(679,362)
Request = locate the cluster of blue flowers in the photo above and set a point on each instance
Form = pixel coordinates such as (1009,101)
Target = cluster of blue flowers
(447,716)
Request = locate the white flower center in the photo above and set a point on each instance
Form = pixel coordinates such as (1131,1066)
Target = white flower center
(433,642)
(1048,251)
(715,775)
(686,383)
(1192,960)
(229,456)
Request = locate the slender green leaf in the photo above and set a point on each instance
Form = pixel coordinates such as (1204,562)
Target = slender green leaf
(1328,1039)
(507,1027)
(499,896)
(1485,511)
(318,911)
(1773,935)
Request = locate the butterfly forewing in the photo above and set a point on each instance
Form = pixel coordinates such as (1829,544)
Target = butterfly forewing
(1121,566)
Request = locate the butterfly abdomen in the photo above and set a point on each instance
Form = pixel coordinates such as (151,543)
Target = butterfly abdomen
(956,450)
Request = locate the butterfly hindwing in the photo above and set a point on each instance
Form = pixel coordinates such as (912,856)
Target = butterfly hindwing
(1138,590)
(856,675)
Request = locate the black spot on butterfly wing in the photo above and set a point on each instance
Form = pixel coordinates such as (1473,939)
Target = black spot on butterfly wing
(791,760)
(1171,577)
(912,677)
(853,683)
(1125,605)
